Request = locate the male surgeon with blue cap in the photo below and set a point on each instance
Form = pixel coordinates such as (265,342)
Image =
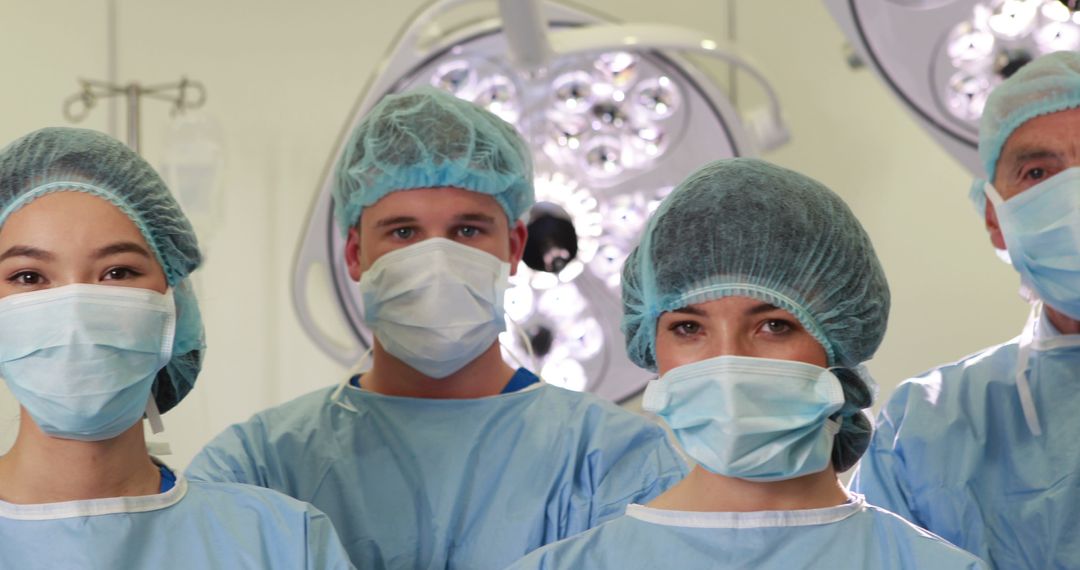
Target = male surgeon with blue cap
(441,455)
(986,451)
(99,326)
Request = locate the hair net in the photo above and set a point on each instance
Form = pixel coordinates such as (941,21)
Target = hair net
(428,138)
(80,160)
(856,429)
(1047,85)
(744,227)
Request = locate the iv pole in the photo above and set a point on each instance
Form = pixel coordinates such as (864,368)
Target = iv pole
(184,95)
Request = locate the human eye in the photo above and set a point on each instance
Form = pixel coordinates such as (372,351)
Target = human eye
(403,233)
(1033,174)
(120,274)
(777,327)
(469,231)
(1034,171)
(26,278)
(685,329)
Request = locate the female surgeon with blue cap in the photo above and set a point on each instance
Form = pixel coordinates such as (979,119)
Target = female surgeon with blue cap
(99,326)
(756,296)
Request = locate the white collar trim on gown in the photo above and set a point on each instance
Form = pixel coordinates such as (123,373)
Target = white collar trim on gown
(757,519)
(96,507)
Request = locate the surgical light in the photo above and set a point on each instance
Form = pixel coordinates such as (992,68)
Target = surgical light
(942,58)
(616,115)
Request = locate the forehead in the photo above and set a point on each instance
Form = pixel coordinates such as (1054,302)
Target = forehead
(433,205)
(733,306)
(1057,133)
(71,219)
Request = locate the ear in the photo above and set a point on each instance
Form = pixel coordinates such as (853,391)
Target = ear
(519,234)
(352,254)
(993,228)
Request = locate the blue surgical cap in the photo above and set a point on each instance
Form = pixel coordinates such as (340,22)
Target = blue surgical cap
(427,138)
(745,227)
(1046,85)
(80,160)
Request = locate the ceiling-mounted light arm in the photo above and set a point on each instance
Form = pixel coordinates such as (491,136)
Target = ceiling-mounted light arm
(526,32)
(768,129)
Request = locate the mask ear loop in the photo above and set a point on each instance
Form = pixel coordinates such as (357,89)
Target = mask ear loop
(998,202)
(527,343)
(153,417)
(358,368)
(1023,387)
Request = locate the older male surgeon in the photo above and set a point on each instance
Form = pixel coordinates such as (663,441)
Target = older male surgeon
(441,455)
(986,451)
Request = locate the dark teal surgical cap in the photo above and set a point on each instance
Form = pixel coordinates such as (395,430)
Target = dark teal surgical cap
(745,227)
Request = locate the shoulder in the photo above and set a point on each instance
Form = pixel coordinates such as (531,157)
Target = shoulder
(301,408)
(950,385)
(239,498)
(924,547)
(591,408)
(584,550)
(285,530)
(249,451)
(292,416)
(598,419)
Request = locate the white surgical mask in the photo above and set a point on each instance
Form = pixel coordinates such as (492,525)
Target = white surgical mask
(437,305)
(82,358)
(1041,227)
(758,419)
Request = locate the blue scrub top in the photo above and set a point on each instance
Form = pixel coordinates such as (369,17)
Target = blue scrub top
(952,452)
(852,535)
(192,526)
(168,479)
(450,483)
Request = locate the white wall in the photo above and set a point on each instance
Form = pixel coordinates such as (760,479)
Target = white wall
(283,76)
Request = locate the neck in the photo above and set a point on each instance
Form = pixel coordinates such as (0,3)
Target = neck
(45,469)
(487,375)
(1063,323)
(705,491)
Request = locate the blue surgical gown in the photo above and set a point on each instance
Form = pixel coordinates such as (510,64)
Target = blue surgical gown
(853,535)
(192,526)
(426,483)
(953,453)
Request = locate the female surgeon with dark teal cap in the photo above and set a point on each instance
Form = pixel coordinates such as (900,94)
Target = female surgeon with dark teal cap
(756,296)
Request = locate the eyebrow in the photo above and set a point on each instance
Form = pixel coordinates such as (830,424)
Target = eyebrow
(762,308)
(396,220)
(121,247)
(27,251)
(1023,155)
(476,217)
(755,310)
(471,217)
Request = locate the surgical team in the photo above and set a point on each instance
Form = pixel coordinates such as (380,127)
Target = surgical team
(754,295)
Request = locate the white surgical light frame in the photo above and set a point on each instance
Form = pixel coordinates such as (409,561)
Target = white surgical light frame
(941,58)
(524,45)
